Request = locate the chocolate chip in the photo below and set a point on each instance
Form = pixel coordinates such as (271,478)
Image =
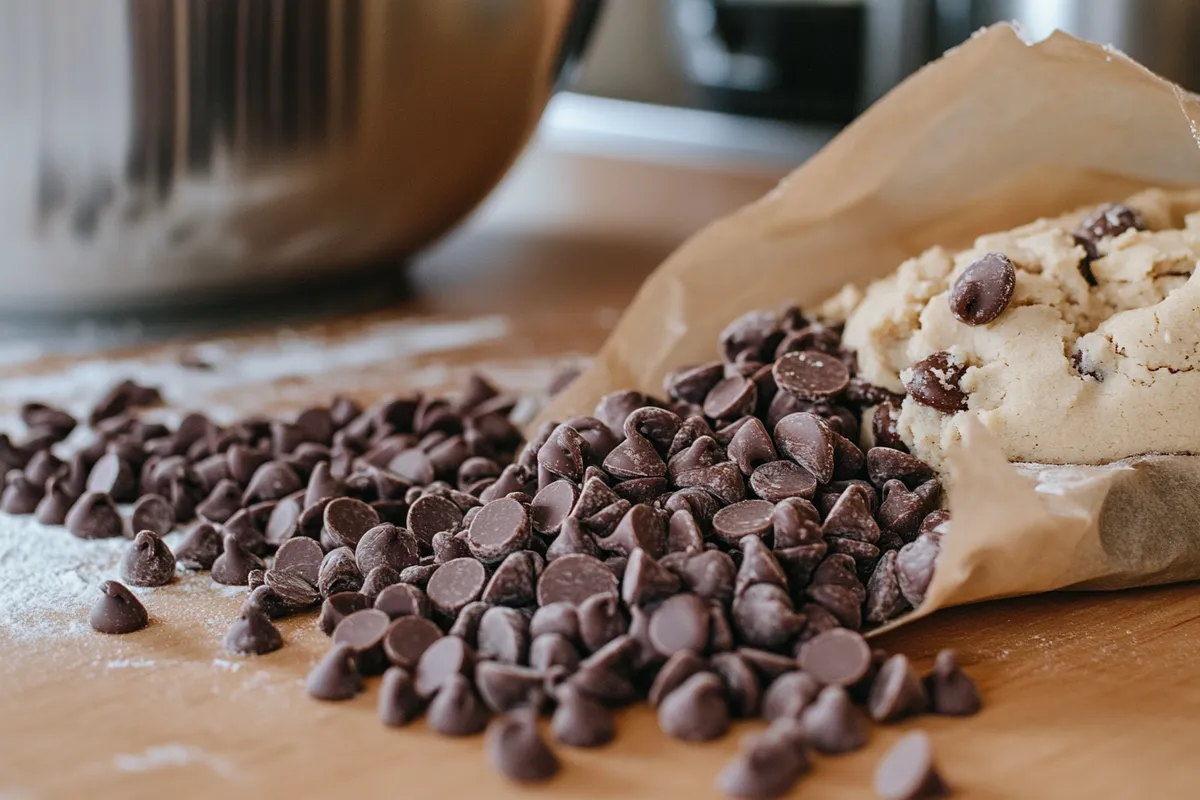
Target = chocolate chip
(222,502)
(283,522)
(604,674)
(443,658)
(573,579)
(789,695)
(845,604)
(1111,219)
(302,557)
(883,426)
(501,528)
(512,584)
(642,526)
(337,607)
(811,375)
(339,573)
(386,545)
(836,657)
(148,561)
(747,518)
(581,721)
(635,457)
(503,635)
(645,580)
(551,506)
(117,610)
(335,676)
(418,575)
(767,765)
(553,650)
(455,584)
(951,691)
(601,620)
(692,384)
(457,709)
(253,634)
(674,672)
(742,686)
(730,398)
(268,601)
(896,692)
(763,616)
(723,481)
(720,632)
(758,565)
(684,534)
(885,601)
(42,416)
(907,770)
(407,639)
(256,578)
(983,290)
(398,702)
(572,540)
(347,520)
(95,516)
(710,575)
(766,664)
(884,464)
(696,711)
(808,440)
(831,723)
(563,453)
(506,687)
(272,481)
(560,618)
(152,513)
(915,565)
(751,446)
(233,566)
(936,382)
(126,395)
(200,547)
(21,495)
(293,588)
(401,600)
(752,335)
(56,504)
(364,631)
(516,749)
(242,527)
(851,517)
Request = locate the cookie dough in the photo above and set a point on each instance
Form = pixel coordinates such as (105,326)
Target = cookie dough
(1096,356)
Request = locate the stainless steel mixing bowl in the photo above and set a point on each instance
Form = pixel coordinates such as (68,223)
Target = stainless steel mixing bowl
(166,149)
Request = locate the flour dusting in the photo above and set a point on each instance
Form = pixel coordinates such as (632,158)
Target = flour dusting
(172,755)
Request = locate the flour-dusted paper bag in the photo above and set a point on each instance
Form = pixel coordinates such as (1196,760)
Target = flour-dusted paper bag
(995,134)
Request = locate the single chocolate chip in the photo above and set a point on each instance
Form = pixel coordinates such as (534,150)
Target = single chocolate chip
(692,384)
(253,634)
(845,604)
(339,573)
(117,610)
(674,672)
(233,566)
(580,720)
(152,513)
(512,584)
(710,575)
(851,517)
(730,398)
(742,686)
(758,565)
(883,426)
(836,657)
(337,607)
(763,616)
(40,415)
(896,691)
(322,484)
(642,526)
(386,545)
(951,691)
(936,382)
(443,658)
(56,504)
(983,290)
(268,601)
(723,481)
(501,528)
(789,695)
(635,457)
(573,579)
(907,771)
(419,575)
(747,518)
(563,453)
(605,673)
(680,623)
(766,664)
(503,635)
(272,481)
(407,639)
(222,502)
(551,506)
(560,618)
(884,464)
(645,580)
(293,588)
(516,749)
(885,601)
(364,631)
(751,446)
(95,516)
(455,584)
(148,561)
(831,723)
(553,650)
(601,620)
(753,334)
(200,547)
(684,534)
(348,519)
(283,522)
(915,565)
(506,687)
(811,375)
(456,710)
(113,475)
(335,676)
(767,765)
(302,557)
(402,600)
(595,496)
(696,711)
(808,440)
(398,702)
(933,523)
(1110,219)
(572,539)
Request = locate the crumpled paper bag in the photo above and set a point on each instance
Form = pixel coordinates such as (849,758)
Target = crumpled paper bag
(993,135)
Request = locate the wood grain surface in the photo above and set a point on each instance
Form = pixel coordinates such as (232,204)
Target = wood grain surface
(1085,695)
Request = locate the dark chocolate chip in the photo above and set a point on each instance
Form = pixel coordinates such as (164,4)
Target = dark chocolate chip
(642,526)
(516,749)
(302,557)
(580,720)
(730,398)
(742,686)
(983,290)
(563,453)
(572,540)
(604,674)
(256,578)
(696,711)
(575,578)
(601,620)
(501,528)
(758,565)
(682,665)
(457,709)
(339,573)
(811,375)
(851,517)
(817,620)
(268,601)
(763,616)
(337,607)
(896,691)
(883,426)
(443,658)
(551,506)
(684,534)
(751,446)
(951,691)
(936,382)
(283,522)
(148,561)
(386,545)
(293,588)
(503,635)
(635,457)
(364,631)
(125,396)
(117,610)
(552,650)
(560,618)
(513,582)
(885,601)
(233,566)
(418,575)
(56,504)
(455,584)
(680,623)
(253,634)
(222,502)
(836,657)
(407,639)
(398,702)
(692,384)
(272,481)
(907,771)
(95,516)
(808,440)
(645,580)
(766,664)
(506,687)
(401,600)
(710,575)
(21,495)
(789,695)
(768,765)
(915,565)
(747,518)
(200,547)
(335,676)
(831,723)
(152,513)
(884,464)
(1110,219)
(40,415)
(753,334)
(347,519)
(722,481)
(845,604)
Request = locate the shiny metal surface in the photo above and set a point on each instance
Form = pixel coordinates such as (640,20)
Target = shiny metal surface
(163,149)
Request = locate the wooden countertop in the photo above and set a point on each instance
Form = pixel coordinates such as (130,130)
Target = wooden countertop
(1086,695)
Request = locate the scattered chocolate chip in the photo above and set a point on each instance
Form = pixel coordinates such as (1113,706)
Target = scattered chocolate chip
(915,564)
(684,534)
(95,516)
(125,396)
(256,578)
(552,650)
(117,610)
(896,692)
(642,526)
(200,547)
(222,502)
(936,382)
(398,702)
(951,691)
(768,765)
(907,770)
(21,495)
(407,639)
(832,724)
(884,464)
(455,584)
(808,440)
(604,674)
(503,635)
(148,561)
(811,375)
(851,517)
(742,686)
(339,573)
(722,481)
(273,480)
(983,290)
(56,504)
(1110,219)
(747,518)
(789,695)
(680,623)
(758,565)
(580,720)
(516,749)
(768,665)
(293,588)
(456,710)
(152,513)
(682,665)
(601,620)
(558,618)
(710,575)
(763,616)
(573,579)
(336,675)
(402,600)
(233,566)
(268,601)
(42,416)
(645,580)
(253,634)
(302,557)
(443,658)
(552,505)
(885,601)
(730,398)
(418,575)
(696,711)
(572,539)
(348,519)
(506,687)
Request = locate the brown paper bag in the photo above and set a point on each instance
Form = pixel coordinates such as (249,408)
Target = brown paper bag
(993,135)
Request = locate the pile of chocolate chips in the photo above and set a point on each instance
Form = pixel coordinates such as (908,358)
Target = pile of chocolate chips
(714,552)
